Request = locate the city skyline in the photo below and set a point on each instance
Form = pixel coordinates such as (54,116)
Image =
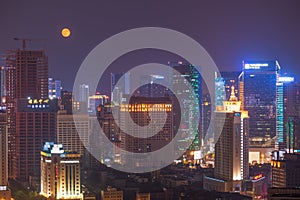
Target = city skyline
(203,101)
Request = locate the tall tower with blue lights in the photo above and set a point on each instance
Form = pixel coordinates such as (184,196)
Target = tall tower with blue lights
(259,95)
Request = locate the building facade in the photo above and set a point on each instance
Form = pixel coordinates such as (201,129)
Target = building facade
(60,172)
(35,124)
(231,148)
(26,76)
(258,88)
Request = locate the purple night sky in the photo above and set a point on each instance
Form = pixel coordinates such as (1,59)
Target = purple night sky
(229,30)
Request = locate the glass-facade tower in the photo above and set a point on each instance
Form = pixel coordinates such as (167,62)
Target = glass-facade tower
(259,89)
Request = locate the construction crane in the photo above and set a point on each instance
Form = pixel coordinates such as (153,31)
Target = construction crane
(24,40)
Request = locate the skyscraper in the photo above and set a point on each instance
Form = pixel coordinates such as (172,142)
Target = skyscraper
(35,124)
(118,90)
(54,87)
(5,193)
(189,75)
(60,172)
(3,150)
(26,76)
(2,84)
(231,148)
(140,110)
(258,86)
(72,137)
(84,92)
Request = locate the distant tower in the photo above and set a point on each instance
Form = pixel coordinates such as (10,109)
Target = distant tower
(60,172)
(2,84)
(119,90)
(84,94)
(55,88)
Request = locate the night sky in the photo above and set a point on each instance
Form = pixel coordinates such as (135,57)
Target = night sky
(230,31)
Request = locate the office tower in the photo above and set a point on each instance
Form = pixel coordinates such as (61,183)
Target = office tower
(84,92)
(231,148)
(66,102)
(3,150)
(123,88)
(26,76)
(140,110)
(206,120)
(54,88)
(60,172)
(95,101)
(35,124)
(189,75)
(285,169)
(110,128)
(73,136)
(219,92)
(284,86)
(258,86)
(231,78)
(2,84)
(292,134)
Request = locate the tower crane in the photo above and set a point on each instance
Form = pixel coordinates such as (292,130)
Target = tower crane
(24,40)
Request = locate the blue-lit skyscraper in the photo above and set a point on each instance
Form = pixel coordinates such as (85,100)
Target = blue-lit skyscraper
(55,88)
(284,97)
(259,95)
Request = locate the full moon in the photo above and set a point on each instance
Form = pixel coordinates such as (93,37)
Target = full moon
(66,32)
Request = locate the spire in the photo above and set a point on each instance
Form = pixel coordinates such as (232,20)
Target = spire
(232,95)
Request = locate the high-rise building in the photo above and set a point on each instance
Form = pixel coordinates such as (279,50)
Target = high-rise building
(285,169)
(284,104)
(123,88)
(60,172)
(26,76)
(2,84)
(73,136)
(189,75)
(35,124)
(54,87)
(258,88)
(66,102)
(3,149)
(84,92)
(231,148)
(140,110)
